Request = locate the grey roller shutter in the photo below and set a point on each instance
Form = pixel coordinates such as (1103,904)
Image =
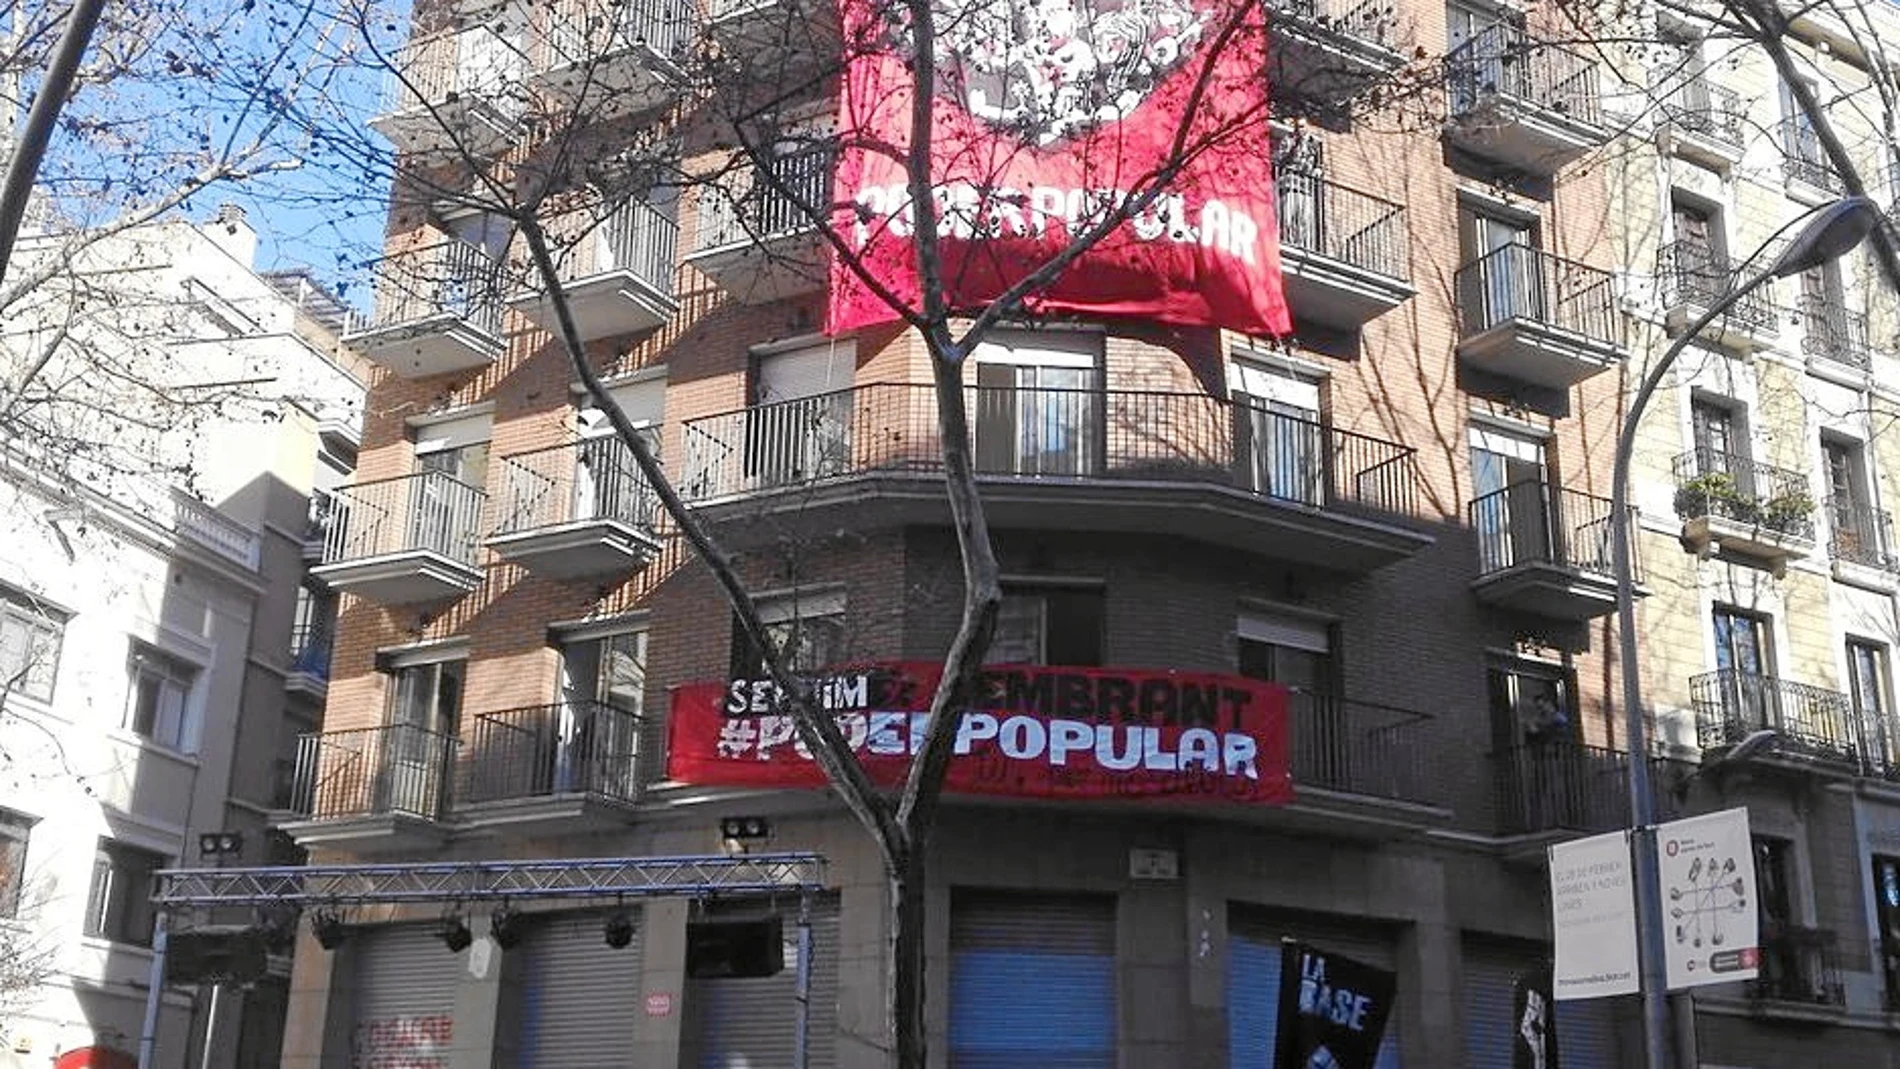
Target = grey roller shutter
(1032,981)
(752,1024)
(580,999)
(1253,979)
(1586,1029)
(405,996)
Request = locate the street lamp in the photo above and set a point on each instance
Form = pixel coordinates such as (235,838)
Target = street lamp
(1832,229)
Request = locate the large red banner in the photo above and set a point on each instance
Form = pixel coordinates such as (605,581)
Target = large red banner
(1037,732)
(1049,115)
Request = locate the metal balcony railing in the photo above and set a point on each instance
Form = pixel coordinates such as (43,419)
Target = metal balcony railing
(310,645)
(1561,784)
(1517,282)
(755,210)
(1373,22)
(1798,965)
(583,31)
(638,238)
(1532,522)
(1362,748)
(215,531)
(1695,106)
(1102,435)
(1860,534)
(450,278)
(429,511)
(1802,158)
(1341,223)
(1694,274)
(576,747)
(1834,333)
(1710,482)
(1505,60)
(592,479)
(1731,705)
(399,769)
(470,64)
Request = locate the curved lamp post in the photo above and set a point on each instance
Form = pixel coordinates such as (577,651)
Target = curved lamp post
(1832,230)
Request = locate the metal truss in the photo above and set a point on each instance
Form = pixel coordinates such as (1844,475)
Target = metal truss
(489,881)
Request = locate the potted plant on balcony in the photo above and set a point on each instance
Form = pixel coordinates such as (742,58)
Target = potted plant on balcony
(1712,493)
(1786,511)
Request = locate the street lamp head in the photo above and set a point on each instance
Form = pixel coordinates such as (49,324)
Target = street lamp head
(1754,744)
(1831,232)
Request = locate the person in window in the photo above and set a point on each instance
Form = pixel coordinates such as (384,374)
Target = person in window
(1544,718)
(1546,726)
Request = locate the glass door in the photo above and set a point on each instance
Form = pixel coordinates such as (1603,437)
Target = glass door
(1742,656)
(1511,511)
(424,715)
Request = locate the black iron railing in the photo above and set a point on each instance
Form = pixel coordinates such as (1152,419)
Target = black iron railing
(891,428)
(1697,107)
(576,747)
(310,644)
(1798,965)
(450,279)
(1691,273)
(593,479)
(1532,522)
(1561,784)
(397,769)
(1341,223)
(1811,721)
(1517,282)
(1372,22)
(1504,60)
(1362,748)
(1860,534)
(755,209)
(429,511)
(1711,483)
(1834,333)
(1802,157)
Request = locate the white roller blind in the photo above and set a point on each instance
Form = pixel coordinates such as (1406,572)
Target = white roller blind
(1504,444)
(1273,384)
(439,435)
(644,402)
(806,371)
(1291,632)
(1042,348)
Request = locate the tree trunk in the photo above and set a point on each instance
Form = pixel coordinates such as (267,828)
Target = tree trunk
(908,889)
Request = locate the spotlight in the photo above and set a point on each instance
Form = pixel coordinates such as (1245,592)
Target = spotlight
(504,927)
(744,829)
(455,934)
(618,931)
(329,929)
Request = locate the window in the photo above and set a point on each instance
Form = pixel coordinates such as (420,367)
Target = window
(1049,625)
(1741,642)
(1720,442)
(1038,403)
(1281,441)
(1867,685)
(1887,917)
(1801,144)
(1286,649)
(14,829)
(120,905)
(1790,968)
(810,628)
(427,695)
(1509,499)
(30,638)
(310,635)
(1530,704)
(1823,308)
(799,425)
(161,707)
(1700,255)
(1502,277)
(417,750)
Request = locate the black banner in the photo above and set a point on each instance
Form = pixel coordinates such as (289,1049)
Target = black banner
(1534,1034)
(1332,1009)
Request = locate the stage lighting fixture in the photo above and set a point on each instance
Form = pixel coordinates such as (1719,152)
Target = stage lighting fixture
(329,929)
(455,934)
(618,931)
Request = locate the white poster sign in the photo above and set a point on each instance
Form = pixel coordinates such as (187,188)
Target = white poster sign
(1594,917)
(1707,870)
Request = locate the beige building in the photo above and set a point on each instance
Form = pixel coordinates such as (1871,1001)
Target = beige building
(1402,518)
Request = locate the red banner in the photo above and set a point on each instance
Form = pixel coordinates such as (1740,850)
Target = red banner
(1050,114)
(1038,732)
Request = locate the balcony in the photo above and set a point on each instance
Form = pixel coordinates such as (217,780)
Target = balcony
(1561,786)
(381,787)
(1325,50)
(437,310)
(1220,470)
(1527,315)
(1704,124)
(404,541)
(309,671)
(759,243)
(1545,550)
(1832,336)
(568,766)
(617,276)
(784,37)
(606,59)
(457,93)
(577,510)
(1344,254)
(1800,972)
(1860,543)
(1691,278)
(224,537)
(1813,723)
(1803,161)
(1732,504)
(1362,763)
(1528,104)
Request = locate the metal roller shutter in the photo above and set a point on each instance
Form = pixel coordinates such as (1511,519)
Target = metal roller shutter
(1586,1030)
(1032,981)
(1253,981)
(751,1024)
(1586,1035)
(405,996)
(580,998)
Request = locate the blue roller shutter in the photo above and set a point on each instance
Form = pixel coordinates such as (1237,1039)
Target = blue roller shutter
(1586,1029)
(752,1023)
(1253,982)
(1032,981)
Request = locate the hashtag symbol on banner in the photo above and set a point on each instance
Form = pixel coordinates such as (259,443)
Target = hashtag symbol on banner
(736,737)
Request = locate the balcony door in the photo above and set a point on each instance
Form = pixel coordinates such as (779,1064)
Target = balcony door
(1502,281)
(799,426)
(1299,179)
(1721,443)
(1867,685)
(1039,403)
(1510,500)
(425,708)
(595,729)
(1744,657)
(443,515)
(1279,438)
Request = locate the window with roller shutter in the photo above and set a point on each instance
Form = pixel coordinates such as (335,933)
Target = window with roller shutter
(404,1012)
(734,1023)
(1253,978)
(574,1001)
(1032,981)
